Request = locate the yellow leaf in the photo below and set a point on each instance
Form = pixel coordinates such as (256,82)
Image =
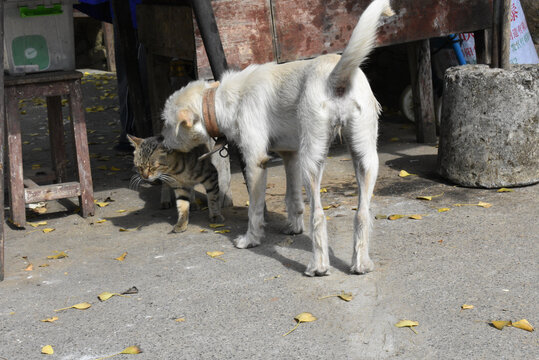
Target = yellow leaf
(323,190)
(179,319)
(501,190)
(407,323)
(48,230)
(44,265)
(100,221)
(346,296)
(273,277)
(51,319)
(215,226)
(121,257)
(101,203)
(214,254)
(415,217)
(203,230)
(466,307)
(484,204)
(302,318)
(30,267)
(395,217)
(222,231)
(380,217)
(404,173)
(47,350)
(524,325)
(60,255)
(104,296)
(121,211)
(394,139)
(81,306)
(114,168)
(36,166)
(430,197)
(443,209)
(102,167)
(32,224)
(500,324)
(131,350)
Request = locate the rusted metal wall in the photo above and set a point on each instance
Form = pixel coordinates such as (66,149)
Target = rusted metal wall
(258,31)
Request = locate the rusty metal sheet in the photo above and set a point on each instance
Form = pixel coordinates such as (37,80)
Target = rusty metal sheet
(246,33)
(308,28)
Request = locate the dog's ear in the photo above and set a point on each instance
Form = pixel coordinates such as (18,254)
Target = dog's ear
(135,141)
(215,84)
(185,118)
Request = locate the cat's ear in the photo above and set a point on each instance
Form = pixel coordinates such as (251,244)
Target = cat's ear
(135,141)
(185,118)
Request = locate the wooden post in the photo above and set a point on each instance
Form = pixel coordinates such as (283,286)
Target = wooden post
(128,43)
(210,36)
(2,136)
(108,37)
(505,34)
(419,62)
(56,137)
(495,34)
(480,47)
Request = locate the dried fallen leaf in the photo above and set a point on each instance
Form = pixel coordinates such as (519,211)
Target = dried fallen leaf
(407,323)
(121,257)
(215,226)
(104,296)
(222,231)
(395,216)
(430,197)
(466,307)
(130,351)
(323,190)
(81,306)
(30,267)
(501,190)
(44,265)
(60,255)
(301,318)
(273,277)
(114,168)
(381,217)
(48,230)
(343,296)
(481,204)
(215,254)
(131,291)
(443,209)
(524,325)
(404,173)
(121,211)
(500,324)
(36,224)
(51,319)
(415,217)
(179,319)
(100,221)
(47,350)
(101,203)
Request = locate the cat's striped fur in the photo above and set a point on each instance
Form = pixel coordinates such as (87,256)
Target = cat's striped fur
(179,171)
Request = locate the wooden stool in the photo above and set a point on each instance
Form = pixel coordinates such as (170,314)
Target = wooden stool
(24,191)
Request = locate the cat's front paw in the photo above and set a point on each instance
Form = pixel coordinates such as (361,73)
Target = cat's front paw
(180,227)
(216,219)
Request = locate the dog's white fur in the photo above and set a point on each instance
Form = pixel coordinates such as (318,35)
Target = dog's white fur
(295,109)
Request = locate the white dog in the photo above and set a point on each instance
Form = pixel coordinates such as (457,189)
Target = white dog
(295,109)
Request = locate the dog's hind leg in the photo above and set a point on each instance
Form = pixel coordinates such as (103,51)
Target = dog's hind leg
(319,264)
(366,168)
(294,197)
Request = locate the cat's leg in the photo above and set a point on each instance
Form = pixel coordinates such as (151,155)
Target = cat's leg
(211,184)
(166,196)
(294,197)
(182,206)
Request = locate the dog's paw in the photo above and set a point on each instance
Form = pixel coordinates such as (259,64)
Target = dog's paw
(178,228)
(215,219)
(317,270)
(364,266)
(292,229)
(244,242)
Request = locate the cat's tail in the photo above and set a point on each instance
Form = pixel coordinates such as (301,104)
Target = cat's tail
(360,45)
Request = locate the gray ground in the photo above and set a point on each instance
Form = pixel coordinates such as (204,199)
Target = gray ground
(240,308)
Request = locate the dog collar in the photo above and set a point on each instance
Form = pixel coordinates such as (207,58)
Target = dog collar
(208,112)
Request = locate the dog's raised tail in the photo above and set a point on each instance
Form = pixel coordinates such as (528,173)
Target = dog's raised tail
(360,45)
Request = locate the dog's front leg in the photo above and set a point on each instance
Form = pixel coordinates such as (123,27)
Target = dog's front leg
(319,264)
(257,192)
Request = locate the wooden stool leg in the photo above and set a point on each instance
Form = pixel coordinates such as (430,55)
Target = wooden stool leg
(86,198)
(56,137)
(16,186)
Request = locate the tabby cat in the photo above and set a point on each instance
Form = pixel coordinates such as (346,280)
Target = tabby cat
(181,171)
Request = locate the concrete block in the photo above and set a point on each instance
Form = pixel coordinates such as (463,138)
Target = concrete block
(489,133)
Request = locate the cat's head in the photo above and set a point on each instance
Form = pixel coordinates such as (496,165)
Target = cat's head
(183,127)
(150,157)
